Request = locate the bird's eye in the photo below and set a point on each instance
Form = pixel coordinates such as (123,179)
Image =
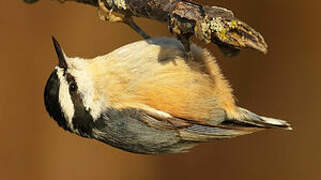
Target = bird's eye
(72,87)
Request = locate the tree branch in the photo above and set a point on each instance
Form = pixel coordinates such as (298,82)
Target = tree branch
(185,18)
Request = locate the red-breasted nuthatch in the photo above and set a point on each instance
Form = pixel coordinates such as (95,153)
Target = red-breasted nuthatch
(146,98)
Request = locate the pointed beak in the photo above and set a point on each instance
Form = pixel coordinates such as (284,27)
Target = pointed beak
(60,53)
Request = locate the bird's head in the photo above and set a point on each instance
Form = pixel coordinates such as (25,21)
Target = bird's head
(69,94)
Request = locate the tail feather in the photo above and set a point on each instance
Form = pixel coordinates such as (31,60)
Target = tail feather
(261,121)
(204,133)
(245,123)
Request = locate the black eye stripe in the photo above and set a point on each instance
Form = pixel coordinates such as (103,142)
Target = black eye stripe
(70,79)
(82,120)
(73,88)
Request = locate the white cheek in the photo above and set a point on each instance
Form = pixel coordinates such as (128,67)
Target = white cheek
(65,99)
(91,100)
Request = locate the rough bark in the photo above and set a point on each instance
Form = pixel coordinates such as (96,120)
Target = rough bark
(185,18)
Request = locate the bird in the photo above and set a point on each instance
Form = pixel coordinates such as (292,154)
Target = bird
(146,98)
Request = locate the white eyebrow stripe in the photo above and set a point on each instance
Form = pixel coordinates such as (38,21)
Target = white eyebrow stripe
(65,100)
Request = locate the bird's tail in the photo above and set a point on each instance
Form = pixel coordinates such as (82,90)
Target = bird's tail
(245,123)
(249,118)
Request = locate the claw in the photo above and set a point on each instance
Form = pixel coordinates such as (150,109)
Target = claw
(185,40)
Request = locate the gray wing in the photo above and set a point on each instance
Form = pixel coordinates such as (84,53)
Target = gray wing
(134,131)
(140,126)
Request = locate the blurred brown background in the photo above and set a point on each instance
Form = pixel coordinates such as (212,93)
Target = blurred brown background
(285,83)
